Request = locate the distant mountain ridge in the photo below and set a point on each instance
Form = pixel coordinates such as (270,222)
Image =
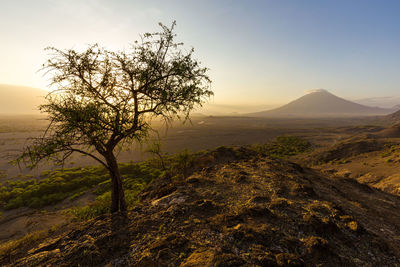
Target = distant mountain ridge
(16,99)
(321,103)
(392,102)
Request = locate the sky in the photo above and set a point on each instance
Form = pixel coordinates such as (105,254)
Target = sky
(260,53)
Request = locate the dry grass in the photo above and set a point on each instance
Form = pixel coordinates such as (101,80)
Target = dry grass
(10,249)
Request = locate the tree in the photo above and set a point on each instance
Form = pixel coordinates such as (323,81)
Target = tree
(102,100)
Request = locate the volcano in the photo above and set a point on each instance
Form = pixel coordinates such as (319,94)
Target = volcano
(321,103)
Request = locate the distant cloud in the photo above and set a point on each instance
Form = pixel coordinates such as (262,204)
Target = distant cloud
(316,91)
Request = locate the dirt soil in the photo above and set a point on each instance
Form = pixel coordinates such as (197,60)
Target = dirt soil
(250,211)
(15,224)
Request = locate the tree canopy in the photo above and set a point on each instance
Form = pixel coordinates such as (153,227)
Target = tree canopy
(102,100)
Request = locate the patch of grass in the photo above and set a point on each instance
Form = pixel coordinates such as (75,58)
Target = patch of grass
(313,243)
(181,163)
(136,178)
(55,187)
(2,174)
(100,206)
(390,151)
(71,183)
(284,146)
(75,196)
(341,161)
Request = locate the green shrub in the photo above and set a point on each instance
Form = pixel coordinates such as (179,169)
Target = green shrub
(53,188)
(284,146)
(181,163)
(71,183)
(100,206)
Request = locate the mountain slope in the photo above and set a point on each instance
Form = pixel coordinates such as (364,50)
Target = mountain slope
(20,99)
(390,132)
(251,211)
(394,117)
(321,103)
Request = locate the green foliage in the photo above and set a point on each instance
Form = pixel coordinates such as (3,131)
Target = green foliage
(138,173)
(177,165)
(339,161)
(155,150)
(2,174)
(59,185)
(284,146)
(390,150)
(100,206)
(180,164)
(55,187)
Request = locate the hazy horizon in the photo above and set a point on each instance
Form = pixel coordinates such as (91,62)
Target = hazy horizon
(262,54)
(24,100)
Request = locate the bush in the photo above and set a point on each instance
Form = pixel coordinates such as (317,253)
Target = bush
(284,146)
(55,187)
(71,183)
(100,206)
(181,163)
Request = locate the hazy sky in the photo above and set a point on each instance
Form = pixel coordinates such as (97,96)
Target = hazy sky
(260,52)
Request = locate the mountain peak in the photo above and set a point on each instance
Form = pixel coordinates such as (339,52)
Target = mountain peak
(320,90)
(321,103)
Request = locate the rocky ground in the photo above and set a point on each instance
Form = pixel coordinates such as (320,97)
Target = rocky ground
(372,159)
(244,211)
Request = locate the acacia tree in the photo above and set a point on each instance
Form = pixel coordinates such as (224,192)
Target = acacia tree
(103,100)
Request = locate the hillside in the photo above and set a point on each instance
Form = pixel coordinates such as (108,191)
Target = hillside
(390,132)
(240,208)
(20,99)
(321,103)
(394,117)
(372,159)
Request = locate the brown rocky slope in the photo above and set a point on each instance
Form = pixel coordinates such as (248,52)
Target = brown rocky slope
(252,211)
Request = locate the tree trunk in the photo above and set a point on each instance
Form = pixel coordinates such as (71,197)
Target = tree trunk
(117,192)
